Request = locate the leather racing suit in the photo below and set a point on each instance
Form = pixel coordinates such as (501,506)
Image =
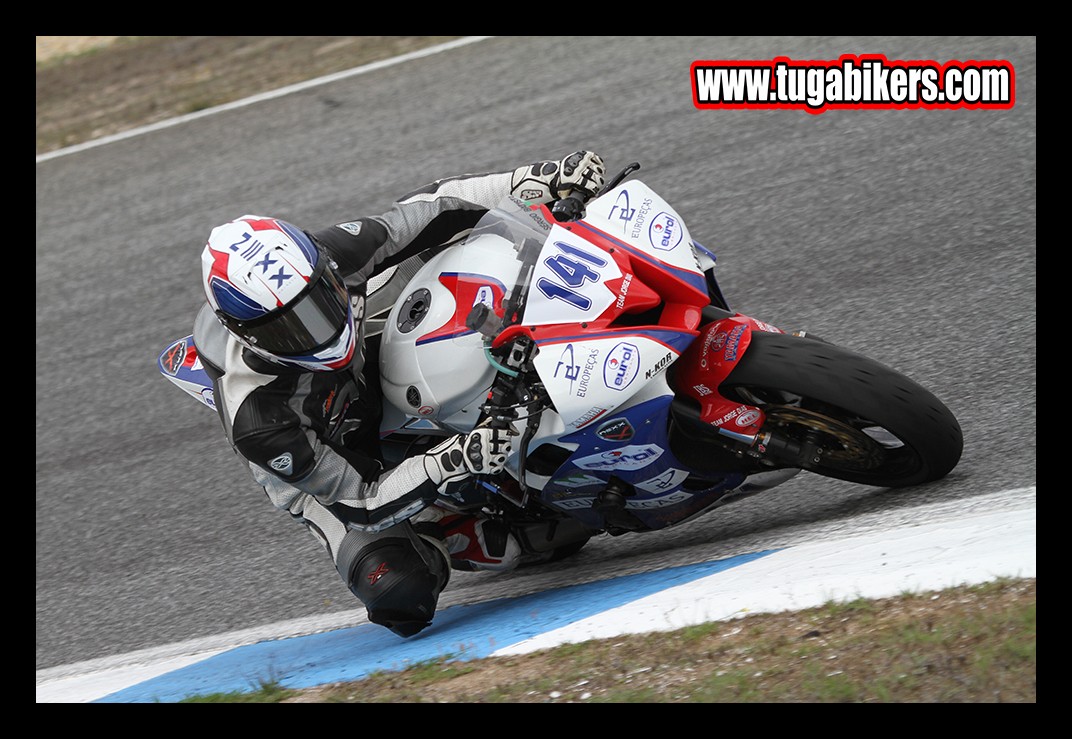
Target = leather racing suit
(311,438)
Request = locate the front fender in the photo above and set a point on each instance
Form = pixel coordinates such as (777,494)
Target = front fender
(710,360)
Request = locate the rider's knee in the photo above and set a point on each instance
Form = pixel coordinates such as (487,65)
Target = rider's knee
(398,578)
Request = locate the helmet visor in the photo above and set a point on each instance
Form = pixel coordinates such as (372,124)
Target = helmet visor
(311,322)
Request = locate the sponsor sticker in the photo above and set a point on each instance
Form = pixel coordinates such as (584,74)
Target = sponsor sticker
(621,366)
(284,463)
(659,366)
(621,210)
(665,482)
(747,418)
(174,357)
(730,355)
(352,227)
(616,429)
(632,457)
(665,232)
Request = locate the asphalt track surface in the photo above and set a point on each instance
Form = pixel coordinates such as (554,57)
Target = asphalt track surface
(919,550)
(907,235)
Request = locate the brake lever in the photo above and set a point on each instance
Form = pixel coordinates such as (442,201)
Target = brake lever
(570,207)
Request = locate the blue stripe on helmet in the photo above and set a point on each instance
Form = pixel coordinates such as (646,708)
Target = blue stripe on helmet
(232,302)
(304,242)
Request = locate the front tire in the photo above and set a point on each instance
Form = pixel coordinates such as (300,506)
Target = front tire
(854,418)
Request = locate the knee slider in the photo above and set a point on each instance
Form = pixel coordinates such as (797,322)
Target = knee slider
(399,581)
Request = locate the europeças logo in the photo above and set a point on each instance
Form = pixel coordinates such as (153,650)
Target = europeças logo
(621,366)
(665,231)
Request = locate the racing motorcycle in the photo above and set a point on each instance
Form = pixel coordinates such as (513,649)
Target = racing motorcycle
(638,398)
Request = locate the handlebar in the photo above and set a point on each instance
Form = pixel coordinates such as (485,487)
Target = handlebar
(570,207)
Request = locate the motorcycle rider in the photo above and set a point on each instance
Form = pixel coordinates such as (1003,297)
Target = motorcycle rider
(297,387)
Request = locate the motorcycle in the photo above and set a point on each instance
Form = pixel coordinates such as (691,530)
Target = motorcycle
(599,335)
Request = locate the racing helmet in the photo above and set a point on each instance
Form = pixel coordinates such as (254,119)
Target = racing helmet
(278,293)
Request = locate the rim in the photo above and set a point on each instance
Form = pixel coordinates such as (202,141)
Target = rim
(834,439)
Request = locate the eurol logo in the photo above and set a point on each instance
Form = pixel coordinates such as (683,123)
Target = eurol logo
(631,457)
(621,366)
(665,232)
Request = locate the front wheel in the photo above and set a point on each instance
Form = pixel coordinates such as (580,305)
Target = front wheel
(843,415)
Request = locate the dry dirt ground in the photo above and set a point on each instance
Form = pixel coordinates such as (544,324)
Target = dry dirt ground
(969,645)
(93,86)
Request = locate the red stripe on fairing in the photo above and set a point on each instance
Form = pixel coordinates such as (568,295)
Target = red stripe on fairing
(464,287)
(568,335)
(191,356)
(656,271)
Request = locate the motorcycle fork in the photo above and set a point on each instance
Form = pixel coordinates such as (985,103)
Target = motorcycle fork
(741,428)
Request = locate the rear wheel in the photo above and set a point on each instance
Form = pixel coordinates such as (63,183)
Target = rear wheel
(842,415)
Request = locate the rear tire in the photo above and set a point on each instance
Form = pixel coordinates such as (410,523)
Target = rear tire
(867,423)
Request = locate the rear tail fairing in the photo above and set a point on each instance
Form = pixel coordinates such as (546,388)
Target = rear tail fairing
(181,364)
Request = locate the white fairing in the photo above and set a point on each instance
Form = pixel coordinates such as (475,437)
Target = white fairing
(592,375)
(552,301)
(637,215)
(589,378)
(436,370)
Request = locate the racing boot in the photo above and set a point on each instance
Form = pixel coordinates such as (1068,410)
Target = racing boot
(475,542)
